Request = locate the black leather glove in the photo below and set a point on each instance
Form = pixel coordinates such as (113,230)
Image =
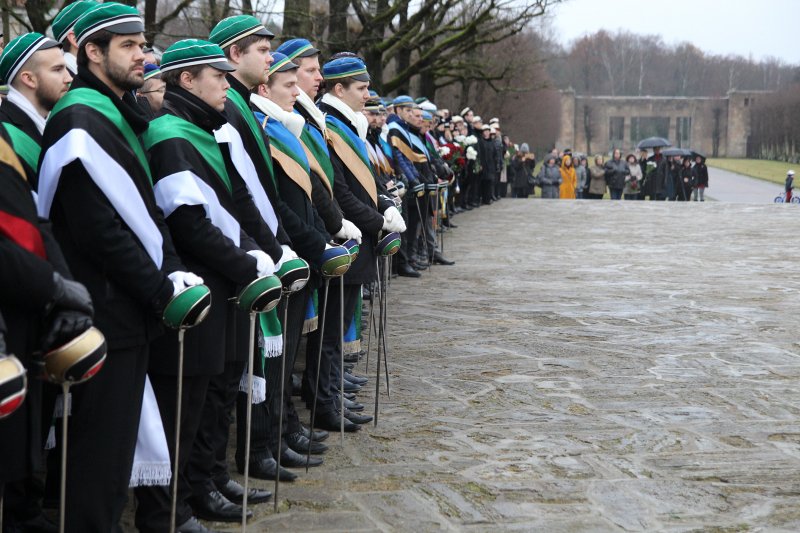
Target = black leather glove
(3,349)
(71,295)
(65,325)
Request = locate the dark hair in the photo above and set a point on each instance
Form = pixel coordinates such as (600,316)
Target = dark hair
(173,77)
(244,43)
(101,39)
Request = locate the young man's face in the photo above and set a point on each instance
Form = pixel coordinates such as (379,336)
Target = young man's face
(48,77)
(123,63)
(374,119)
(282,89)
(252,64)
(309,75)
(355,96)
(211,86)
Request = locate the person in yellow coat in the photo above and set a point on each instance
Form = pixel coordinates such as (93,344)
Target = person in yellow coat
(569,180)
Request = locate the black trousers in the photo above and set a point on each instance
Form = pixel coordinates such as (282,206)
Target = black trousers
(415,205)
(208,462)
(329,364)
(102,438)
(153,510)
(487,190)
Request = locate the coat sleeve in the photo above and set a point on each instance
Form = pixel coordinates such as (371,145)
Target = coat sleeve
(98,232)
(368,220)
(197,236)
(26,280)
(326,206)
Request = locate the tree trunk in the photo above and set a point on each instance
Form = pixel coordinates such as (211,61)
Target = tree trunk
(337,25)
(150,8)
(37,11)
(247,7)
(296,19)
(403,56)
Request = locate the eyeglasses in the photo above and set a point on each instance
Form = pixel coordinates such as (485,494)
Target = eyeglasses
(159,90)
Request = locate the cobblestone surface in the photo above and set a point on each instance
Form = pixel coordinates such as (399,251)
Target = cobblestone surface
(586,366)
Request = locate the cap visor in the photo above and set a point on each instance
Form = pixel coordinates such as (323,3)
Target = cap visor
(265,33)
(223,66)
(50,44)
(126,28)
(309,53)
(361,77)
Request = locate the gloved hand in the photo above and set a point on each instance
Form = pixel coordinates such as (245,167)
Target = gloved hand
(65,325)
(264,264)
(3,349)
(181,280)
(70,294)
(393,220)
(349,231)
(288,255)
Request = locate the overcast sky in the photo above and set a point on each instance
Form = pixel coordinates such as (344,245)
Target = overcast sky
(762,28)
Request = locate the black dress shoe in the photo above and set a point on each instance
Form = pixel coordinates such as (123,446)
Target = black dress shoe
(300,443)
(356,418)
(440,260)
(407,272)
(352,406)
(331,421)
(292,459)
(316,436)
(351,387)
(350,396)
(216,507)
(351,358)
(193,526)
(235,492)
(358,380)
(266,469)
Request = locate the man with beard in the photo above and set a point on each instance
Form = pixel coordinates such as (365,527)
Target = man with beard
(64,30)
(95,186)
(34,68)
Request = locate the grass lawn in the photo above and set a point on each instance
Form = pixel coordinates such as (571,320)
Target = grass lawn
(774,171)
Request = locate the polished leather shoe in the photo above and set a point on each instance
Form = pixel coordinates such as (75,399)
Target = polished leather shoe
(356,418)
(235,492)
(353,406)
(300,443)
(407,271)
(417,266)
(351,358)
(292,459)
(317,435)
(351,387)
(440,260)
(216,507)
(266,469)
(358,380)
(193,526)
(331,421)
(350,396)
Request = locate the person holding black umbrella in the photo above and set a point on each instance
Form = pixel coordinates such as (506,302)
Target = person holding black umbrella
(699,178)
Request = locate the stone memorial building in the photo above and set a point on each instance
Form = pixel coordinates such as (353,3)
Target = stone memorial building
(715,126)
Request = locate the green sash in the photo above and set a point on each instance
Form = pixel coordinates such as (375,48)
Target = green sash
(319,156)
(255,129)
(168,127)
(104,105)
(24,145)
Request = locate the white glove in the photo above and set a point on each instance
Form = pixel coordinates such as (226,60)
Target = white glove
(264,264)
(393,220)
(288,255)
(181,280)
(349,231)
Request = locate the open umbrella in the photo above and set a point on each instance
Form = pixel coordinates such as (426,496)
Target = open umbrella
(683,152)
(695,153)
(653,142)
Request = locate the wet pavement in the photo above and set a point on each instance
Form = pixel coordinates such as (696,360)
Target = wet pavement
(726,186)
(585,366)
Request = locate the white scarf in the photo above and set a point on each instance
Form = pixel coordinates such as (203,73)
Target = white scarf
(17,98)
(291,121)
(72,62)
(358,120)
(316,115)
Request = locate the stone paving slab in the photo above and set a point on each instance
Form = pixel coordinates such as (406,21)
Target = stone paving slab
(586,366)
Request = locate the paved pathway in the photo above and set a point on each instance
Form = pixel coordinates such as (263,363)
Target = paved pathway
(586,366)
(730,187)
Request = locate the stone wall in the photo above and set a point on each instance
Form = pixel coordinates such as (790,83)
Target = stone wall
(714,126)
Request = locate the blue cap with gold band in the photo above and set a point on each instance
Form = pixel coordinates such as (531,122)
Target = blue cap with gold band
(281,63)
(404,101)
(345,67)
(110,16)
(66,18)
(151,71)
(191,52)
(19,51)
(294,48)
(374,104)
(231,29)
